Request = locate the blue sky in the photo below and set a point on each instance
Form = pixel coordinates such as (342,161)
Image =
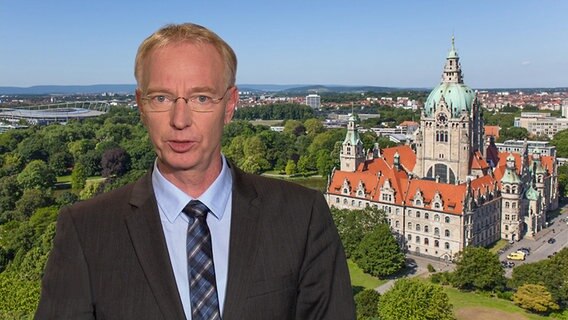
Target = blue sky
(381,43)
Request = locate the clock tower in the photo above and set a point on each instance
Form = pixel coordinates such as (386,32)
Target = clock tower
(451,129)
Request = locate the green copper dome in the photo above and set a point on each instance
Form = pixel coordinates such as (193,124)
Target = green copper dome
(458,97)
(511,177)
(532,194)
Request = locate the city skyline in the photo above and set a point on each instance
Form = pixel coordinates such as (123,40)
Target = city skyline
(501,44)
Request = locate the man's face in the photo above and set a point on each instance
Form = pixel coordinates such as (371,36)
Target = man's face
(186,140)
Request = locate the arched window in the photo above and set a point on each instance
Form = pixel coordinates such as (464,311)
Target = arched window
(513,205)
(417,227)
(397,224)
(417,214)
(447,245)
(447,219)
(426,215)
(344,201)
(436,243)
(426,241)
(506,204)
(337,200)
(418,239)
(506,227)
(436,231)
(409,237)
(447,233)
(410,226)
(426,229)
(436,218)
(353,202)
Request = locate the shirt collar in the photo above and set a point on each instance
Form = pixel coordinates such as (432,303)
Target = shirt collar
(172,200)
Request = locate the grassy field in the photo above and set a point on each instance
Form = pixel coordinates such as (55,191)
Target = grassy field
(361,279)
(266,122)
(313,182)
(473,306)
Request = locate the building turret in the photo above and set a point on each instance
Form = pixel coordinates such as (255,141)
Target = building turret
(511,202)
(352,153)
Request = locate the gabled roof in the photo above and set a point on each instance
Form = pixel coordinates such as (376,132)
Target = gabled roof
(492,131)
(407,156)
(477,161)
(451,195)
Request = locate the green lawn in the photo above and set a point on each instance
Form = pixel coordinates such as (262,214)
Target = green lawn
(361,279)
(473,300)
(498,245)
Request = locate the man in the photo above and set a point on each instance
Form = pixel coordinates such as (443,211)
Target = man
(196,238)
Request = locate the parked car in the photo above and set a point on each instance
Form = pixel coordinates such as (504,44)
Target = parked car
(526,251)
(516,256)
(551,240)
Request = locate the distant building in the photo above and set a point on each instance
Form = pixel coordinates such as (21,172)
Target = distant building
(450,191)
(516,146)
(541,124)
(314,101)
(55,113)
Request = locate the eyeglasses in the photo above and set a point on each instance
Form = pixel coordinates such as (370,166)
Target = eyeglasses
(159,102)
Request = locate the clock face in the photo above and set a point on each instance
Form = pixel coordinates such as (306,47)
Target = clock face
(442,118)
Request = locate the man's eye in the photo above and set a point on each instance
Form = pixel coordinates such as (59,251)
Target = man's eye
(202,99)
(160,99)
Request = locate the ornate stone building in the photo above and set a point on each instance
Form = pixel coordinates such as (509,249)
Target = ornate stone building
(449,190)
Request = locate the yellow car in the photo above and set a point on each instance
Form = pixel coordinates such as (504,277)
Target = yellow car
(516,256)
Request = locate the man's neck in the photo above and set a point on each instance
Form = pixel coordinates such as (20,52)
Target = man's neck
(193,182)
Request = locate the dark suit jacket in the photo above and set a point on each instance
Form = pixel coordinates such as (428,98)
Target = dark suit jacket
(110,260)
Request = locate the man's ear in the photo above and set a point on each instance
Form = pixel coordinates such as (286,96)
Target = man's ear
(141,109)
(232,103)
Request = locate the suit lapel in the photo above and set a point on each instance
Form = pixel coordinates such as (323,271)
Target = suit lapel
(244,237)
(147,237)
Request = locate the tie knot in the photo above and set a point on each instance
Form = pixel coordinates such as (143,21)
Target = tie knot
(196,209)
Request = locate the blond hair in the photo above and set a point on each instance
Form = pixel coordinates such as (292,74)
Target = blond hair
(186,32)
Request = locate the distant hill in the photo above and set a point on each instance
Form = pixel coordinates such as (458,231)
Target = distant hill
(88,89)
(260,88)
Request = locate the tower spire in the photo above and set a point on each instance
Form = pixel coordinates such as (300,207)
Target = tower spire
(452,69)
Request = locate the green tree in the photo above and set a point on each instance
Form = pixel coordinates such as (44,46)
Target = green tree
(478,268)
(552,273)
(313,126)
(367,304)
(37,175)
(535,297)
(294,127)
(353,225)
(560,141)
(306,164)
(515,133)
(290,167)
(92,189)
(61,163)
(32,148)
(413,299)
(31,200)
(10,192)
(79,147)
(378,253)
(78,177)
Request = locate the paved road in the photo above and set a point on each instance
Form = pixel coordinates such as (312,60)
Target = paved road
(540,250)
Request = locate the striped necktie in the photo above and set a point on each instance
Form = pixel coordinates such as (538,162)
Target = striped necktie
(202,285)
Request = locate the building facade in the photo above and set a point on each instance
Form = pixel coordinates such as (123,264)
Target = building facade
(314,101)
(448,190)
